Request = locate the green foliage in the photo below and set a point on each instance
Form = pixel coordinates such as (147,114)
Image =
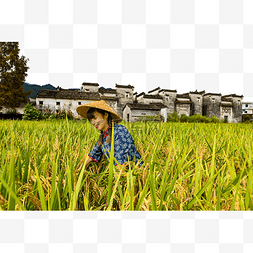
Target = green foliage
(12,111)
(158,117)
(47,113)
(174,117)
(183,118)
(62,114)
(13,71)
(246,118)
(215,120)
(31,113)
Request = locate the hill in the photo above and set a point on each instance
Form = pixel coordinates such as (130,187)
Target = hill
(36,88)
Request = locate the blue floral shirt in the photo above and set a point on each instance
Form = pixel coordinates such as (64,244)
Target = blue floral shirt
(124,148)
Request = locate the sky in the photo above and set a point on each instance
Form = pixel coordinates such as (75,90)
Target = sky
(185,45)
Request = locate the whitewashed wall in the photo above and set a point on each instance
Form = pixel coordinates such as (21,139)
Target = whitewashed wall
(183,109)
(164,113)
(143,100)
(67,104)
(125,112)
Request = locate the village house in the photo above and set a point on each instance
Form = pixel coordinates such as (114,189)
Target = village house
(60,99)
(20,109)
(131,106)
(247,108)
(227,107)
(133,112)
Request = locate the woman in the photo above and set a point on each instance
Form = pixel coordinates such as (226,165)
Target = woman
(101,115)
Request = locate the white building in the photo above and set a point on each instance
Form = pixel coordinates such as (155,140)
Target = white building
(64,99)
(133,112)
(57,100)
(20,109)
(247,108)
(131,106)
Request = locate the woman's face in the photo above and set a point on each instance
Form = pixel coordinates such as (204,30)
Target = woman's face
(100,121)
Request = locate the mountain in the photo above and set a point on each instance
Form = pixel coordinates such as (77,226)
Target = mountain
(36,88)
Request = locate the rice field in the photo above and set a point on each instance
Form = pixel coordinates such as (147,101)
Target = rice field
(187,166)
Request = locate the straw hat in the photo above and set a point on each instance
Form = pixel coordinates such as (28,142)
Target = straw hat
(83,109)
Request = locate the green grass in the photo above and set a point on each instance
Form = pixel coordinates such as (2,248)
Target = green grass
(187,166)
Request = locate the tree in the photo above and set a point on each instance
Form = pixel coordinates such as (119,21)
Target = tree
(13,71)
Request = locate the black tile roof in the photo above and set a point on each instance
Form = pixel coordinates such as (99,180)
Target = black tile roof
(153,96)
(233,95)
(198,92)
(212,94)
(143,93)
(226,104)
(167,90)
(226,99)
(155,107)
(109,98)
(104,90)
(68,94)
(185,95)
(124,86)
(158,88)
(90,84)
(178,101)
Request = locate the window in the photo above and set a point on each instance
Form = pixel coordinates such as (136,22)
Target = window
(127,94)
(57,111)
(246,111)
(198,99)
(86,90)
(246,105)
(213,99)
(143,113)
(79,103)
(41,103)
(58,103)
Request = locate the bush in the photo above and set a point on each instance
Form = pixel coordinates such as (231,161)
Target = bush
(158,117)
(173,117)
(47,113)
(31,113)
(62,114)
(12,111)
(184,118)
(192,119)
(246,118)
(215,120)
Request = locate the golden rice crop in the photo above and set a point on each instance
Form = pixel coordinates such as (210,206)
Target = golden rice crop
(187,166)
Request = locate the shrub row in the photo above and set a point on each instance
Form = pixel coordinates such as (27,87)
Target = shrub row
(31,113)
(174,117)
